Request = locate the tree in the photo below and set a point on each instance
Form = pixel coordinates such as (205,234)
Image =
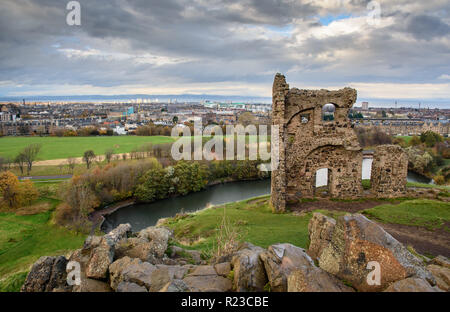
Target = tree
(9,187)
(71,162)
(109,153)
(175,120)
(88,157)
(430,138)
(30,153)
(383,114)
(415,140)
(246,119)
(20,161)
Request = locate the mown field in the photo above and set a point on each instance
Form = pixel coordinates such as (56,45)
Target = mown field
(60,148)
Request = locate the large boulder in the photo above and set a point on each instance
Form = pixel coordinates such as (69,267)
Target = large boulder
(280,260)
(102,252)
(442,276)
(175,286)
(441,261)
(164,274)
(412,284)
(116,270)
(321,230)
(309,278)
(130,287)
(249,272)
(356,241)
(158,238)
(136,248)
(205,279)
(46,275)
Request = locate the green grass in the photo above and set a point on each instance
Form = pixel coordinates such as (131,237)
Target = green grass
(424,185)
(405,138)
(24,239)
(255,220)
(59,148)
(430,214)
(13,283)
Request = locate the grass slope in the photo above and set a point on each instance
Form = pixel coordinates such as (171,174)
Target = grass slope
(59,148)
(254,218)
(430,214)
(24,239)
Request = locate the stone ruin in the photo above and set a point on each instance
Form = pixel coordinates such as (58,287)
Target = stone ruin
(316,134)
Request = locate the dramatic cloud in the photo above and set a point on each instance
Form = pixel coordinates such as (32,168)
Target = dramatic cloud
(225,47)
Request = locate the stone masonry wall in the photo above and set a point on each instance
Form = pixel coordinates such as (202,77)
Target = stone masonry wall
(308,143)
(389,171)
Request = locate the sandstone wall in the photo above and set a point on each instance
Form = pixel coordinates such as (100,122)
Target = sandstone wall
(389,171)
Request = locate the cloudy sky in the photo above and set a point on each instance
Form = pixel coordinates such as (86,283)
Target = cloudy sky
(228,47)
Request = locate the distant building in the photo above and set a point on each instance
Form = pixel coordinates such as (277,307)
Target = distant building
(365,105)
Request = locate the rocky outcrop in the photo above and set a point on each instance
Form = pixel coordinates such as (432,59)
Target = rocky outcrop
(205,279)
(321,230)
(149,261)
(47,274)
(356,242)
(280,261)
(249,272)
(309,278)
(412,285)
(442,276)
(102,251)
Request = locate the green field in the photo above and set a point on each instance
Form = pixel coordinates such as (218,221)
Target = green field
(60,148)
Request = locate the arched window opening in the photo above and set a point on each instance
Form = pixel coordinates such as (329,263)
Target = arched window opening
(328,111)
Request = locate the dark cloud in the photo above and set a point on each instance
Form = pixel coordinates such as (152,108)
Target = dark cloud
(208,41)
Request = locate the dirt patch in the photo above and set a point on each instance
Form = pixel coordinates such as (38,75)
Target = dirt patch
(33,209)
(347,206)
(424,241)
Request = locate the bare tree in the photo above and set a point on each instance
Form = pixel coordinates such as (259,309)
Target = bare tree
(88,157)
(30,153)
(20,161)
(71,162)
(109,153)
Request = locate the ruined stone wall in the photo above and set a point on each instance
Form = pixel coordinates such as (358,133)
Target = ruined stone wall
(389,171)
(308,143)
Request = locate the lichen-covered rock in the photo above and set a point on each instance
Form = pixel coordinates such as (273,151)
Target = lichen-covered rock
(116,269)
(47,274)
(175,286)
(442,276)
(223,269)
(102,253)
(165,274)
(139,273)
(205,279)
(101,257)
(249,272)
(309,278)
(412,285)
(357,241)
(280,260)
(441,261)
(130,287)
(136,248)
(320,229)
(158,238)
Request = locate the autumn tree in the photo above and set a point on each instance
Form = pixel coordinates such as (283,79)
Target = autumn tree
(246,119)
(88,157)
(9,188)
